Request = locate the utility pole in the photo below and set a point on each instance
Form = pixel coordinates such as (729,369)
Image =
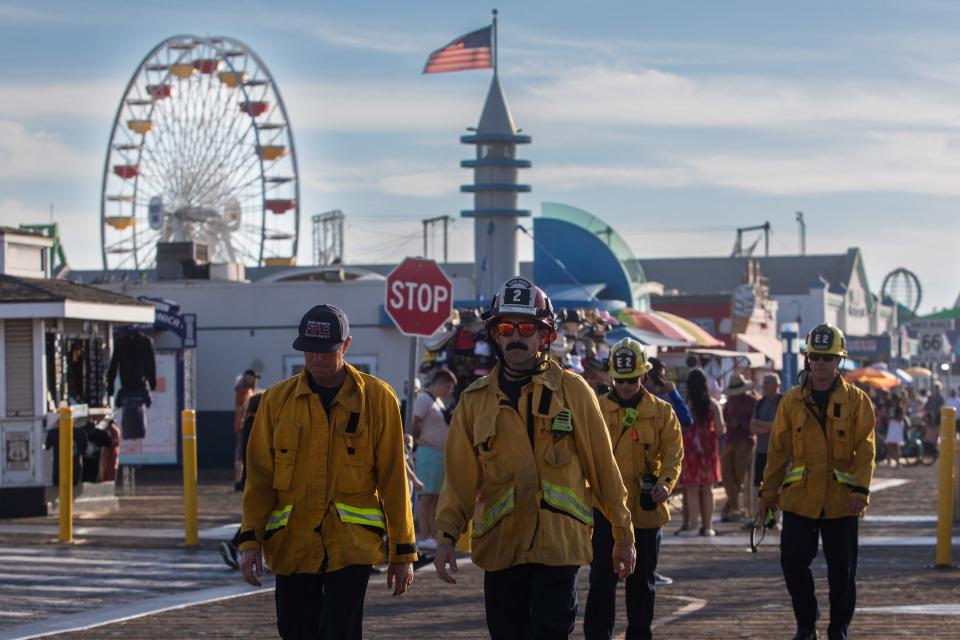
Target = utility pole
(738,247)
(803,233)
(427,225)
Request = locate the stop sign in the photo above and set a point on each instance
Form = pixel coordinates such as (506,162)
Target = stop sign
(419,297)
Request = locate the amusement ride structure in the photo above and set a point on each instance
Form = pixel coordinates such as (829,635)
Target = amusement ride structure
(201,150)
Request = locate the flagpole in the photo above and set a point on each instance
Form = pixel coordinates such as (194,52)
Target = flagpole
(494,42)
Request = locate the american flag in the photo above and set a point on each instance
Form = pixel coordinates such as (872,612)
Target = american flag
(471,51)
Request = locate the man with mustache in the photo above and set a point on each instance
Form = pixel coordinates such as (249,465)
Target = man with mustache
(523,445)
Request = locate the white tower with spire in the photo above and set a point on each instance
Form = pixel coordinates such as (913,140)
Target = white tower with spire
(496,193)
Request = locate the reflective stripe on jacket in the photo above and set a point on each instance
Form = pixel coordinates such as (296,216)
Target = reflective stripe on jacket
(812,468)
(321,491)
(651,443)
(530,504)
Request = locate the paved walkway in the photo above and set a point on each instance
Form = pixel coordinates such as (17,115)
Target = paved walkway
(129,569)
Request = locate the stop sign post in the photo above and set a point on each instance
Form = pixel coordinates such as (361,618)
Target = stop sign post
(419,300)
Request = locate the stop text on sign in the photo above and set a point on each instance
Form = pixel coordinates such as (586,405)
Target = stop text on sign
(418,296)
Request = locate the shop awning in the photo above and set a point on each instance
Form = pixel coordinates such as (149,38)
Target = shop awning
(699,334)
(53,298)
(643,337)
(769,346)
(669,326)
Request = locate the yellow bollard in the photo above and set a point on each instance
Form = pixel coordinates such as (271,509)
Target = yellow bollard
(66,474)
(188,420)
(948,427)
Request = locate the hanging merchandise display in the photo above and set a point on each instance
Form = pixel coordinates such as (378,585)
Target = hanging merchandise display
(133,358)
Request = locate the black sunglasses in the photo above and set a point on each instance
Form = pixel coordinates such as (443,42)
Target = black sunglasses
(626,380)
(822,357)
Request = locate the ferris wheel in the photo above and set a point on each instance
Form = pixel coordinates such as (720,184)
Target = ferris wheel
(201,150)
(903,287)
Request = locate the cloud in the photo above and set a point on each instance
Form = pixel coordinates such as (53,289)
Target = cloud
(26,153)
(89,99)
(381,107)
(345,37)
(574,177)
(440,182)
(391,178)
(606,97)
(892,162)
(882,161)
(650,97)
(22,14)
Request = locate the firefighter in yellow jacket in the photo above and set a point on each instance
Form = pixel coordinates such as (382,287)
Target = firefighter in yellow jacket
(522,446)
(819,465)
(326,479)
(648,446)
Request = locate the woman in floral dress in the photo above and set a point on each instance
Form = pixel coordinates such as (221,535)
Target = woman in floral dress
(701,455)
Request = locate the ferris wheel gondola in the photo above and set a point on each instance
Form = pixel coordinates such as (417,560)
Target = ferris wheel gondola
(201,150)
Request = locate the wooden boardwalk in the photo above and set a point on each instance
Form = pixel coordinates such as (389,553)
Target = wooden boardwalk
(720,590)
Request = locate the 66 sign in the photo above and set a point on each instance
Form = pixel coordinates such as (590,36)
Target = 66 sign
(419,297)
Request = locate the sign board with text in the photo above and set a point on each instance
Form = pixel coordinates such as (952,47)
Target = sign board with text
(419,297)
(933,345)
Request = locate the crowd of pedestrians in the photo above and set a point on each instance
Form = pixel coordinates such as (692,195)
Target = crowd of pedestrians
(907,414)
(462,466)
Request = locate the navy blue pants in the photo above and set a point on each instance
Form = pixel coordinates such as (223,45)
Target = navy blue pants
(322,606)
(798,547)
(530,601)
(640,586)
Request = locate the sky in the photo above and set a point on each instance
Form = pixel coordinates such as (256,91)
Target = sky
(675,123)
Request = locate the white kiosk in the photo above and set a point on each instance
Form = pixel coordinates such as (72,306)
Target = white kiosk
(55,345)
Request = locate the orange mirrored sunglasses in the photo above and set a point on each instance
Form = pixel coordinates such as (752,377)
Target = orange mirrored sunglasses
(525,329)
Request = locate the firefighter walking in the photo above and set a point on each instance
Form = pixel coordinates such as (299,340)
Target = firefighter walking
(522,446)
(326,479)
(820,462)
(648,447)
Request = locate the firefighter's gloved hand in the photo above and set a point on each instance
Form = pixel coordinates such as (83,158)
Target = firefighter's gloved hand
(446,555)
(624,560)
(251,565)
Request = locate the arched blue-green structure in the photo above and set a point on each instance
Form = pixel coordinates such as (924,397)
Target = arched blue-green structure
(573,247)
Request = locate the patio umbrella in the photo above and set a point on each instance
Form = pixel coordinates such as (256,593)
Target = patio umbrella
(873,377)
(703,338)
(656,324)
(903,375)
(650,338)
(919,372)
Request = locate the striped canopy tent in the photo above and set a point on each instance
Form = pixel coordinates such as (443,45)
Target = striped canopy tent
(873,377)
(669,326)
(699,334)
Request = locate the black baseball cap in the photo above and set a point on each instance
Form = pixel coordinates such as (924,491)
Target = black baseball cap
(322,329)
